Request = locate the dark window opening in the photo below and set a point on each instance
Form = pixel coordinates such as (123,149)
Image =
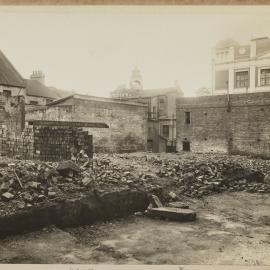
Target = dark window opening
(241,79)
(33,102)
(265,77)
(48,100)
(187,117)
(186,146)
(165,131)
(7,93)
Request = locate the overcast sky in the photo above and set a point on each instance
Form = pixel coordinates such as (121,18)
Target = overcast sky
(92,50)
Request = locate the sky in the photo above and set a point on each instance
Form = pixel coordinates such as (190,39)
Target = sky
(92,50)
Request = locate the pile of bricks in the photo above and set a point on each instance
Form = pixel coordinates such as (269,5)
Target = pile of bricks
(45,143)
(57,143)
(13,145)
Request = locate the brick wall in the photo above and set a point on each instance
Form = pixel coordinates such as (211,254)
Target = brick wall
(240,125)
(127,123)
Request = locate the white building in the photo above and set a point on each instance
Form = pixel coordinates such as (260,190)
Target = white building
(241,68)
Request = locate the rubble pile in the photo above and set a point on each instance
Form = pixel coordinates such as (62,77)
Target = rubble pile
(26,183)
(203,177)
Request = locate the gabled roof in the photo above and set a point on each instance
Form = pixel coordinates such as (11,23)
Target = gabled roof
(94,98)
(37,89)
(9,76)
(60,93)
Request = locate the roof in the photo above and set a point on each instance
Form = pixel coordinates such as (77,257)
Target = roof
(37,89)
(9,76)
(159,92)
(60,93)
(94,98)
(225,43)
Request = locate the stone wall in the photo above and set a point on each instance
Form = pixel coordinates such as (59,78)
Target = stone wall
(237,125)
(12,112)
(127,121)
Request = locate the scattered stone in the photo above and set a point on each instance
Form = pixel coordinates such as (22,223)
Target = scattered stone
(86,181)
(172,195)
(267,179)
(4,187)
(155,202)
(27,197)
(7,196)
(3,164)
(34,184)
(138,214)
(51,194)
(65,168)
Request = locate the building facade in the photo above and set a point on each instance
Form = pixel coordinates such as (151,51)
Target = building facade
(126,120)
(12,96)
(38,94)
(161,107)
(240,68)
(239,125)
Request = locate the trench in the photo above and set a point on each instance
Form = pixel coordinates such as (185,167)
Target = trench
(87,209)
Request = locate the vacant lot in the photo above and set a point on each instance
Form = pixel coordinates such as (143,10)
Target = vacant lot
(232,228)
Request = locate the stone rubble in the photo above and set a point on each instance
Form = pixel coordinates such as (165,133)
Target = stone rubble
(178,175)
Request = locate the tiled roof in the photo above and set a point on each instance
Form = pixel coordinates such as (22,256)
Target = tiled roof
(9,76)
(94,98)
(37,89)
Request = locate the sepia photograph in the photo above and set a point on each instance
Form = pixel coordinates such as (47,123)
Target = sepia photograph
(135,135)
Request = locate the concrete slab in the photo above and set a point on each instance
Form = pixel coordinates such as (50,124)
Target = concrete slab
(178,205)
(172,213)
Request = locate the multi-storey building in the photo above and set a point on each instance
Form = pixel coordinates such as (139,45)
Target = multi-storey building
(240,68)
(161,105)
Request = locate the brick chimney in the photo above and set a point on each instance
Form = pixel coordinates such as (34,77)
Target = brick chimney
(38,75)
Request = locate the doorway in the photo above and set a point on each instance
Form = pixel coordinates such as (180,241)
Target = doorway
(186,146)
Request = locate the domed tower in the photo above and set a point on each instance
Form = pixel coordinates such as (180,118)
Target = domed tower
(135,82)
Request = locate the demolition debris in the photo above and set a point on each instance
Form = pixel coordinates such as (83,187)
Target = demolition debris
(27,183)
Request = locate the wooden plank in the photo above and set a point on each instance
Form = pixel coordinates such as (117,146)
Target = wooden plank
(48,123)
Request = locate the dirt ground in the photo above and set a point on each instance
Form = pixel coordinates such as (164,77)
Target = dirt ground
(231,228)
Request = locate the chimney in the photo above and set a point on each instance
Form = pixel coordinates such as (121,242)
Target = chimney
(38,75)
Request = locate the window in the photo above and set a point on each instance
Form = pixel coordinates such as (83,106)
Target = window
(265,77)
(241,79)
(7,93)
(154,112)
(165,131)
(33,102)
(187,117)
(162,106)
